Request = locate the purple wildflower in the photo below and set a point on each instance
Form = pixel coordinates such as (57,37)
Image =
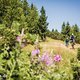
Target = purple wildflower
(46,59)
(57,58)
(18,38)
(34,52)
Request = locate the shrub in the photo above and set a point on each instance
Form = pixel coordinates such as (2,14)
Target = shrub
(78,54)
(75,64)
(8,36)
(76,70)
(31,38)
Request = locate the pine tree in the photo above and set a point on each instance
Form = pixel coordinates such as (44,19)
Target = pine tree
(67,29)
(42,24)
(52,30)
(63,28)
(56,30)
(25,7)
(75,31)
(33,19)
(10,11)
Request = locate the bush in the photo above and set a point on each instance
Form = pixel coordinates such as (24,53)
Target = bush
(76,70)
(8,63)
(55,35)
(75,64)
(8,36)
(31,38)
(78,54)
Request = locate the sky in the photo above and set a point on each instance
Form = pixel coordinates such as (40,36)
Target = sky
(59,11)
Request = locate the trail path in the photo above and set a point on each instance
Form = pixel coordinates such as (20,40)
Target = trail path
(58,46)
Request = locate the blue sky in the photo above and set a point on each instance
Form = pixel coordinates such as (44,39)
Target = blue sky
(59,11)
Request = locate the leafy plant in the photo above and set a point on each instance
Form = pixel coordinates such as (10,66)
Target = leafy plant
(31,38)
(76,70)
(78,54)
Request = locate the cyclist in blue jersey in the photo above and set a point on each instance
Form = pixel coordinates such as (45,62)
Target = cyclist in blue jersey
(67,42)
(72,40)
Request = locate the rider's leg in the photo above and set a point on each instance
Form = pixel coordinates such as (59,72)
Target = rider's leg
(72,45)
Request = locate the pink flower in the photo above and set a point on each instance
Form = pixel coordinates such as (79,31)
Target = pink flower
(22,45)
(34,52)
(18,38)
(46,59)
(49,61)
(57,58)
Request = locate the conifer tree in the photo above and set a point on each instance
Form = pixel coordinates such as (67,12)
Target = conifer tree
(52,30)
(67,29)
(42,24)
(33,19)
(63,28)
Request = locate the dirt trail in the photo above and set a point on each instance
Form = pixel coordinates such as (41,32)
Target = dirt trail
(58,45)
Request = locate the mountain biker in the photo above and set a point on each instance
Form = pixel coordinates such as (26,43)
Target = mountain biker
(72,40)
(67,42)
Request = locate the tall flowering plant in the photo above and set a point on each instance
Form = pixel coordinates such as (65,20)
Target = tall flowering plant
(21,39)
(18,38)
(57,58)
(35,52)
(47,59)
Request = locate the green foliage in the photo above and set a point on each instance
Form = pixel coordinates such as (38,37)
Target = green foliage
(31,38)
(33,20)
(9,68)
(42,23)
(66,29)
(66,32)
(78,54)
(75,29)
(15,27)
(76,32)
(78,38)
(19,12)
(8,36)
(63,28)
(75,64)
(76,70)
(10,11)
(52,30)
(55,35)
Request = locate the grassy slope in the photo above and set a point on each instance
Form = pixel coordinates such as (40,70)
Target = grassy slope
(58,47)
